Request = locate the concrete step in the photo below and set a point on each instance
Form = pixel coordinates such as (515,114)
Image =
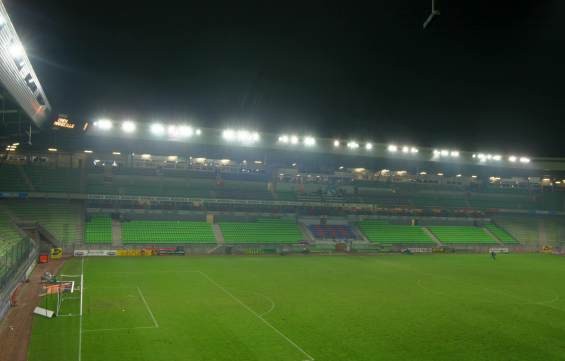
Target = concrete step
(218,233)
(432,236)
(116,233)
(493,236)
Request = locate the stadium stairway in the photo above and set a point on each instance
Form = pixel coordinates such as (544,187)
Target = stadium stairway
(488,231)
(218,234)
(432,236)
(358,233)
(306,232)
(116,233)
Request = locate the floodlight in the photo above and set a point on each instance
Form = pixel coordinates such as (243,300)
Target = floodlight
(224,161)
(557,182)
(392,148)
(172,158)
(103,124)
(423,173)
(283,139)
(473,176)
(336,143)
(116,153)
(524,160)
(352,145)
(146,156)
(440,174)
(458,176)
(157,128)
(180,131)
(2,20)
(294,139)
(497,157)
(414,150)
(454,153)
(512,159)
(405,149)
(309,141)
(87,151)
(114,164)
(340,167)
(15,144)
(369,146)
(444,152)
(228,134)
(52,149)
(198,131)
(128,126)
(16,50)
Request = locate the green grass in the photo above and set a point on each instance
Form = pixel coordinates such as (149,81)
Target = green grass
(395,307)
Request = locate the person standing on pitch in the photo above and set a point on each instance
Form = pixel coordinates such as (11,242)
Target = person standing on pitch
(493,255)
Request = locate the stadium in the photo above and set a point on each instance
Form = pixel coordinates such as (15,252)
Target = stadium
(130,238)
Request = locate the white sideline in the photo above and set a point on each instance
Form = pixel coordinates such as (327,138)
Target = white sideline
(147,307)
(80,313)
(256,315)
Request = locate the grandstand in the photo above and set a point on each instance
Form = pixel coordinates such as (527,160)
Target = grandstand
(155,232)
(386,233)
(98,229)
(261,231)
(462,235)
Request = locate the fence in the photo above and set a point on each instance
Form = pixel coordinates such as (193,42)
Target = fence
(11,259)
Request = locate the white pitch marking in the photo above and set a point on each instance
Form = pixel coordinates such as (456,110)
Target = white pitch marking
(80,313)
(273,304)
(147,307)
(310,358)
(118,329)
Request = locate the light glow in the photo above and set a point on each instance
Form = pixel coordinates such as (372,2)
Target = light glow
(128,126)
(157,129)
(352,145)
(103,124)
(369,146)
(392,148)
(309,141)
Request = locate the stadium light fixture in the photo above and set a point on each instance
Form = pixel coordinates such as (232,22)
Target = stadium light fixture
(146,156)
(52,149)
(392,148)
(294,139)
(128,126)
(369,146)
(336,143)
(458,175)
(284,139)
(423,173)
(2,20)
(440,174)
(224,161)
(16,50)
(497,157)
(172,158)
(474,176)
(157,129)
(524,160)
(116,153)
(103,124)
(198,131)
(454,154)
(309,141)
(352,145)
(512,159)
(444,152)
(340,167)
(88,151)
(405,149)
(414,150)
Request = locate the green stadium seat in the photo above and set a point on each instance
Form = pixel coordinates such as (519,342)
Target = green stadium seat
(385,233)
(461,235)
(142,231)
(261,231)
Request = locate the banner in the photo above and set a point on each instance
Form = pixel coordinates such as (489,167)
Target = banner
(56,253)
(419,250)
(94,252)
(498,250)
(136,252)
(171,251)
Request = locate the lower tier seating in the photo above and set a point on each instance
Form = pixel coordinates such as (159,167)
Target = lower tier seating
(141,231)
(461,235)
(383,232)
(98,229)
(328,231)
(501,234)
(261,231)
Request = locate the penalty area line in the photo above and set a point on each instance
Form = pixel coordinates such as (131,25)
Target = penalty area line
(231,295)
(148,308)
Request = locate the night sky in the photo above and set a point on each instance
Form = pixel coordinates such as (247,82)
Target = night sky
(486,75)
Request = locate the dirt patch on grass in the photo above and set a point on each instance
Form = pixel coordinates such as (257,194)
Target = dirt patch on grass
(15,329)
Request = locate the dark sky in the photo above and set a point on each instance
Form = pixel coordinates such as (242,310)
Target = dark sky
(486,75)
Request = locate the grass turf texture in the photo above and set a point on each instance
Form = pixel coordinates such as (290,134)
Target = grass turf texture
(394,307)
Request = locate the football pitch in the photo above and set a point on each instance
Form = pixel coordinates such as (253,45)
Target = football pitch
(347,308)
